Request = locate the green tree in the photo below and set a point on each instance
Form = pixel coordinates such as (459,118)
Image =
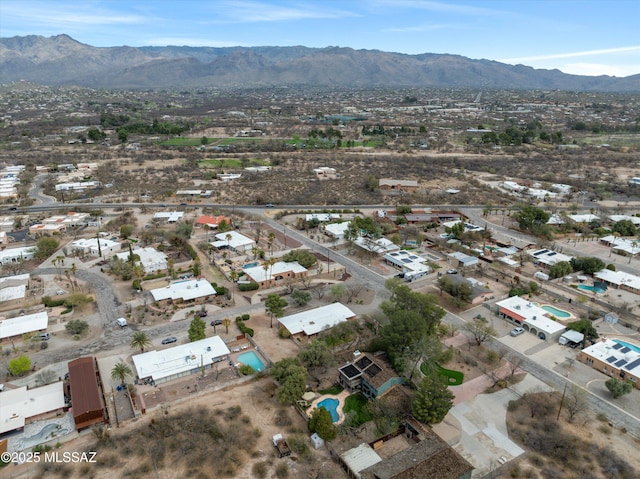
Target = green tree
(533,219)
(197,329)
(275,305)
(140,340)
(624,228)
(305,258)
(480,331)
(316,354)
(204,140)
(78,300)
(45,247)
(120,372)
(618,388)
(337,291)
(19,366)
(126,231)
(585,327)
(560,269)
(292,377)
(96,135)
(322,424)
(300,297)
(432,400)
(588,265)
(123,135)
(77,326)
(360,226)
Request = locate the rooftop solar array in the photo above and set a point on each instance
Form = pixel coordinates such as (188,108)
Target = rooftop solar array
(617,346)
(611,359)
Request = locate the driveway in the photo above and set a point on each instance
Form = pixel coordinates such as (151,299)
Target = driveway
(477,427)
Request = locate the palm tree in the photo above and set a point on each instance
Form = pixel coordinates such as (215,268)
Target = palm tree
(140,340)
(233,276)
(120,372)
(226,322)
(272,237)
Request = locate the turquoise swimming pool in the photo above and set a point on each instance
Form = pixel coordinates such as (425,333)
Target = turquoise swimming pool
(331,405)
(250,358)
(629,345)
(558,313)
(593,289)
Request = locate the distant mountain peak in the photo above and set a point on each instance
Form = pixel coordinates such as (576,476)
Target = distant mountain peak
(62,60)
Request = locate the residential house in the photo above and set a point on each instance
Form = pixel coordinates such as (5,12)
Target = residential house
(21,406)
(371,375)
(309,323)
(619,279)
(530,317)
(151,259)
(390,185)
(95,247)
(170,217)
(615,358)
(15,328)
(275,274)
(17,255)
(234,241)
(212,222)
(194,290)
(87,396)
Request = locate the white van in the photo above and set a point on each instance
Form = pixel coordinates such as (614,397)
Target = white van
(121,322)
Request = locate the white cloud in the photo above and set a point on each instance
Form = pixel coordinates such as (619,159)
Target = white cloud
(596,69)
(191,42)
(60,15)
(587,53)
(440,7)
(251,12)
(424,28)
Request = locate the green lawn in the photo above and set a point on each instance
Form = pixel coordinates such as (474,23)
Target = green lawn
(357,403)
(335,389)
(454,378)
(183,142)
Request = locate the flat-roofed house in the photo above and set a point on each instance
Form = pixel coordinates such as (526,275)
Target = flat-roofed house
(530,317)
(615,358)
(14,328)
(150,259)
(276,273)
(21,406)
(195,290)
(312,322)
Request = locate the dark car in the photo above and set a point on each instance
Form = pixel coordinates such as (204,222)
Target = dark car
(202,313)
(169,340)
(216,322)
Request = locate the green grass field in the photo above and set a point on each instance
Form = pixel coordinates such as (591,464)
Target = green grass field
(182,142)
(357,403)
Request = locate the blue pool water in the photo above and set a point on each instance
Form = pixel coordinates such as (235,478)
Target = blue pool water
(250,358)
(558,313)
(331,405)
(250,265)
(629,345)
(584,287)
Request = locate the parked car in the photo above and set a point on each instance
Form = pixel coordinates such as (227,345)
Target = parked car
(269,205)
(202,313)
(216,322)
(169,340)
(452,271)
(516,332)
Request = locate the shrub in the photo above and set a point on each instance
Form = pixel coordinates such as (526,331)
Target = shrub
(284,333)
(52,303)
(243,328)
(260,469)
(282,470)
(246,370)
(248,286)
(77,327)
(246,317)
(221,290)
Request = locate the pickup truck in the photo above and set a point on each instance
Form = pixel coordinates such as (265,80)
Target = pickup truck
(280,443)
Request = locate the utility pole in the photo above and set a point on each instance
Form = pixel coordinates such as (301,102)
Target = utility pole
(562,400)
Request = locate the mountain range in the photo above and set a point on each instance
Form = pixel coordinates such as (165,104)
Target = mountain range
(61,60)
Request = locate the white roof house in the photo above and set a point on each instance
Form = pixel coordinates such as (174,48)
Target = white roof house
(379,246)
(407,261)
(587,218)
(360,458)
(185,290)
(15,255)
(20,404)
(71,218)
(90,246)
(532,317)
(619,279)
(258,273)
(169,216)
(180,360)
(78,186)
(29,323)
(236,241)
(337,229)
(315,320)
(322,217)
(631,247)
(549,257)
(13,287)
(634,219)
(616,354)
(464,260)
(151,259)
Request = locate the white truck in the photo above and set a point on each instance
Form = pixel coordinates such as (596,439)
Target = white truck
(121,322)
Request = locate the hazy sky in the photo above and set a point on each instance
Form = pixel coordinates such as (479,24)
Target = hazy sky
(586,37)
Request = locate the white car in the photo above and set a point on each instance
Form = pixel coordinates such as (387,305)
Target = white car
(516,332)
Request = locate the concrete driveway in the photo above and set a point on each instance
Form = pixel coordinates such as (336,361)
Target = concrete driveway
(476,427)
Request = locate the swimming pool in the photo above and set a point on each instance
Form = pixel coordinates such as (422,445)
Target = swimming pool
(629,345)
(250,358)
(250,265)
(558,313)
(331,405)
(593,289)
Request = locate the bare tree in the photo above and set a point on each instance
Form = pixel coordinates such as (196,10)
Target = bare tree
(514,364)
(575,402)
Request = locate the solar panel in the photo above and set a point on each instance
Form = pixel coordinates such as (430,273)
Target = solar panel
(611,359)
(625,350)
(621,363)
(553,253)
(617,346)
(633,364)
